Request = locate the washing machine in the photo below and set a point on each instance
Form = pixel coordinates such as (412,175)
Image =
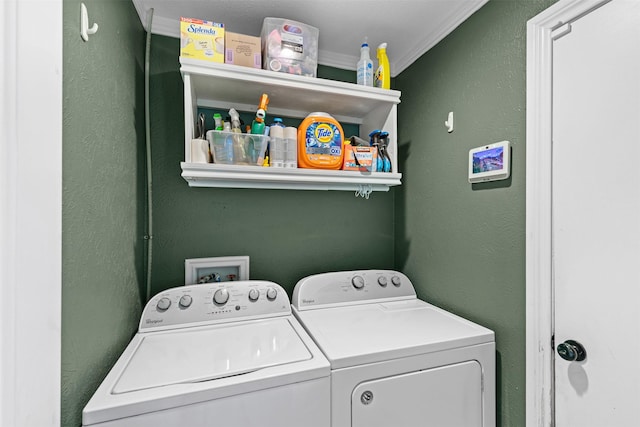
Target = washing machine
(396,360)
(218,354)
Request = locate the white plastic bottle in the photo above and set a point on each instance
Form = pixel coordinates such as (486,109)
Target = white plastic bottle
(365,66)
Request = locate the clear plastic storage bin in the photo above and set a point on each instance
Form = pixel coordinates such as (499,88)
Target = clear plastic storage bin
(231,148)
(289,47)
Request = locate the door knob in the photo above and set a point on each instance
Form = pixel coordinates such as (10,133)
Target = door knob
(572,351)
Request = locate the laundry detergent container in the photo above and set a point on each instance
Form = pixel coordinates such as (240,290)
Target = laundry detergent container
(320,142)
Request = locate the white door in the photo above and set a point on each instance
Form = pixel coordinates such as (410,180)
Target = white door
(596,216)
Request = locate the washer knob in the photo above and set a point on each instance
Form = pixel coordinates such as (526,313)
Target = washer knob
(221,296)
(382,281)
(163,304)
(396,281)
(254,295)
(271,294)
(185,301)
(357,282)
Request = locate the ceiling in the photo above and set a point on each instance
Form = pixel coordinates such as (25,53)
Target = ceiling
(409,27)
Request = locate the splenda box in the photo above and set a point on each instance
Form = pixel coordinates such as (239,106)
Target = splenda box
(490,162)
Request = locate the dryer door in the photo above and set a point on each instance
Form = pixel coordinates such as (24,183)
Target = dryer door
(444,396)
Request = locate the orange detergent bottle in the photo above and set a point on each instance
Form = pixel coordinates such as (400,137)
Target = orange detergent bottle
(320,142)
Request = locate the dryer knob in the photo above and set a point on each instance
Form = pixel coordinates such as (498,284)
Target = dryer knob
(271,294)
(382,281)
(396,281)
(357,282)
(221,296)
(163,304)
(185,301)
(254,295)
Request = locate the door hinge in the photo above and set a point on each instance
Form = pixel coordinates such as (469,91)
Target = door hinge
(553,342)
(561,31)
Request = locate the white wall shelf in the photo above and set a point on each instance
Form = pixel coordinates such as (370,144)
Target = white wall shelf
(223,86)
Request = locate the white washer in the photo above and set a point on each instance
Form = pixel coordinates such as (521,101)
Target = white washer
(228,354)
(396,360)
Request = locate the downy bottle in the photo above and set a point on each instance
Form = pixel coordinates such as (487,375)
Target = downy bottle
(365,66)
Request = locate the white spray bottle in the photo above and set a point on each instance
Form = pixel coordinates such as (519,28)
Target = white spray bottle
(365,66)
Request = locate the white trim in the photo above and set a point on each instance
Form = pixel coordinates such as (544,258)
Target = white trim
(30,217)
(171,28)
(7,213)
(461,14)
(539,266)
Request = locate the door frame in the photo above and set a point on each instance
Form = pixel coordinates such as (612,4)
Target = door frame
(30,212)
(541,31)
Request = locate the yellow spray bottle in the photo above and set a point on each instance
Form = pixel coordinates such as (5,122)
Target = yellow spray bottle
(383,78)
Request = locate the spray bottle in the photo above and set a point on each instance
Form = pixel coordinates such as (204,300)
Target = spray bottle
(257,127)
(383,78)
(217,118)
(235,121)
(365,66)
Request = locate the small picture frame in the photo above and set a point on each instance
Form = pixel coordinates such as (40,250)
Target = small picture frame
(218,269)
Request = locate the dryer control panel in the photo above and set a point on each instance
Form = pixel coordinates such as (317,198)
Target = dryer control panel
(351,287)
(211,303)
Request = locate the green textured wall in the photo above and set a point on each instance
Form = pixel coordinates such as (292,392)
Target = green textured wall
(463,244)
(287,234)
(103,195)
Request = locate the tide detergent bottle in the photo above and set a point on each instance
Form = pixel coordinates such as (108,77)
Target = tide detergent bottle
(320,142)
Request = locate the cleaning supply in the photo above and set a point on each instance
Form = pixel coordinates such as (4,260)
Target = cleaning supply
(235,121)
(365,66)
(234,127)
(383,78)
(375,142)
(291,147)
(320,142)
(384,143)
(257,127)
(277,121)
(276,150)
(380,140)
(217,118)
(276,146)
(199,145)
(360,158)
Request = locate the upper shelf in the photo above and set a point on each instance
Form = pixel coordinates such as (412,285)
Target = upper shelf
(224,86)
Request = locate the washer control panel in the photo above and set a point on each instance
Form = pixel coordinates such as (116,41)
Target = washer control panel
(351,287)
(210,303)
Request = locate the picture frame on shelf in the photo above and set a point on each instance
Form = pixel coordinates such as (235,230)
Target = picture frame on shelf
(216,269)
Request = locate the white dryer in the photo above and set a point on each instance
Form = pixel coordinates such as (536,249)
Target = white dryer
(223,354)
(396,360)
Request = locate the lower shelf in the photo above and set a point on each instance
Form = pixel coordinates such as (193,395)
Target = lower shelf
(233,176)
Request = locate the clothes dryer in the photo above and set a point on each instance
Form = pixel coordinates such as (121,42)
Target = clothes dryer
(396,360)
(219,354)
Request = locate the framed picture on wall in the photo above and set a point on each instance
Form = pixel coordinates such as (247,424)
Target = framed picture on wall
(218,269)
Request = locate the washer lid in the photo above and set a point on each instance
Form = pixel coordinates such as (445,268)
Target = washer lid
(190,356)
(360,334)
